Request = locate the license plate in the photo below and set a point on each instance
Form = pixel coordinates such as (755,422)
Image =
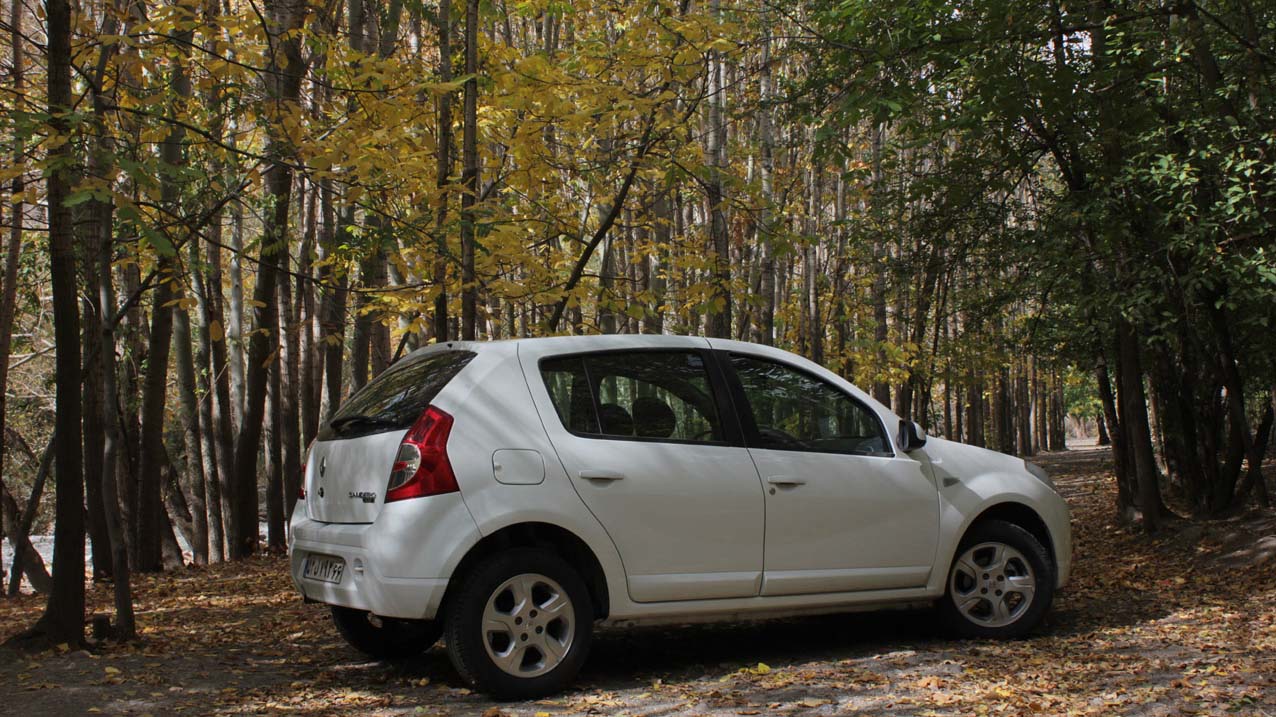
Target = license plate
(324,568)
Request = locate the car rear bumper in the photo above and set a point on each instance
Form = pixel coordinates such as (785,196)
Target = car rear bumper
(398,566)
(362,585)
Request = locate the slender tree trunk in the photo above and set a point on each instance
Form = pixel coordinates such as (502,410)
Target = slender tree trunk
(332,305)
(13,251)
(93,407)
(113,438)
(307,376)
(469,175)
(881,329)
(205,369)
(443,172)
(63,619)
(716,150)
(188,398)
(1134,419)
(289,433)
(283,87)
(235,315)
(221,406)
(276,541)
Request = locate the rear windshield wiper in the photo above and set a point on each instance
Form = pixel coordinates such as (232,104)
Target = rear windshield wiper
(342,422)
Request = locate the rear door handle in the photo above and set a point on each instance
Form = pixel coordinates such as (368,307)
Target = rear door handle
(787,481)
(607,476)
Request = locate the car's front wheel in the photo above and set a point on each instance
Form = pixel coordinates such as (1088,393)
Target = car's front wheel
(385,638)
(520,624)
(1000,584)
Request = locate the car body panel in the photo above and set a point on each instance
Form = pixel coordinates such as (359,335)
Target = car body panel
(347,477)
(687,519)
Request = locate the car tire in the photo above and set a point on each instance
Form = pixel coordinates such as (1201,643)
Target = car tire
(520,624)
(1000,583)
(385,638)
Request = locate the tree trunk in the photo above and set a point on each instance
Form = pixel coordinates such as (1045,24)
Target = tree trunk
(95,520)
(63,619)
(113,438)
(222,409)
(881,330)
(188,398)
(443,172)
(205,370)
(285,68)
(332,304)
(13,250)
(235,316)
(469,175)
(276,541)
(719,324)
(289,416)
(1115,435)
(308,384)
(1134,420)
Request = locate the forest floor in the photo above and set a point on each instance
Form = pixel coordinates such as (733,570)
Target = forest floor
(1181,624)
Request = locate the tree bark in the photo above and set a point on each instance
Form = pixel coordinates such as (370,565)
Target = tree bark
(332,304)
(469,175)
(285,69)
(13,250)
(188,399)
(1134,420)
(63,619)
(443,173)
(113,438)
(719,323)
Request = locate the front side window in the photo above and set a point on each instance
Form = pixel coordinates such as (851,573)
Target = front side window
(794,410)
(645,395)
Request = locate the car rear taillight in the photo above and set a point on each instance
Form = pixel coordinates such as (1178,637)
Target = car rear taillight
(421,467)
(305,472)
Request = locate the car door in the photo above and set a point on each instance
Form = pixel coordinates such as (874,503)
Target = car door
(652,452)
(844,510)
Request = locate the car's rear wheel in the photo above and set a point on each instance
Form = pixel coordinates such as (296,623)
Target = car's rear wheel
(520,624)
(382,637)
(1000,584)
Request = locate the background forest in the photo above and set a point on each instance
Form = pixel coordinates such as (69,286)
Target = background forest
(223,216)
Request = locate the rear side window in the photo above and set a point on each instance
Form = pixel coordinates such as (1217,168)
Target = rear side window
(643,395)
(395,399)
(794,410)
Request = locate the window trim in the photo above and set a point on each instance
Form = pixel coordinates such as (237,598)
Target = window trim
(749,422)
(719,394)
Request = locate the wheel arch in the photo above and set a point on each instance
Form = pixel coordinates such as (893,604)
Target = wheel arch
(1024,517)
(546,536)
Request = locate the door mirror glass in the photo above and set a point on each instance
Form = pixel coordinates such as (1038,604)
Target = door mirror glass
(911,435)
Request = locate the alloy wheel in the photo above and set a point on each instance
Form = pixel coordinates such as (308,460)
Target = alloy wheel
(528,625)
(992,584)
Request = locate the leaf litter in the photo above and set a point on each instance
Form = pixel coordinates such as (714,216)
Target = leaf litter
(1180,624)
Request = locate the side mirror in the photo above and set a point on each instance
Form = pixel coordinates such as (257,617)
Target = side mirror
(911,436)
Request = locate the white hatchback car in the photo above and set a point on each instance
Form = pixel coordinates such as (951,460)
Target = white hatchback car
(508,495)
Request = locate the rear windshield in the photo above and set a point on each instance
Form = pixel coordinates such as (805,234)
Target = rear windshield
(396,398)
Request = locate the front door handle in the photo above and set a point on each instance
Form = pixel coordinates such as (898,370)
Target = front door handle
(607,476)
(785,481)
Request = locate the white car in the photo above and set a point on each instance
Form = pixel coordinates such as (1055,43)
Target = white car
(509,495)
